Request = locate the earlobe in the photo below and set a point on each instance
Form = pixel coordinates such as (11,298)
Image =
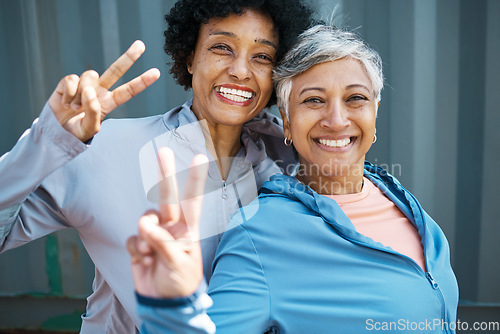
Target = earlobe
(286,124)
(283,114)
(189,63)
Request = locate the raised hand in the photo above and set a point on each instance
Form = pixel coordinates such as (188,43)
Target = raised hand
(166,254)
(81,103)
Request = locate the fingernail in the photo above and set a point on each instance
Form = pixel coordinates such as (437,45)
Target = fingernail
(76,106)
(66,106)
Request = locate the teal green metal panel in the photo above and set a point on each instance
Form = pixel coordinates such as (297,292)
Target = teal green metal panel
(429,114)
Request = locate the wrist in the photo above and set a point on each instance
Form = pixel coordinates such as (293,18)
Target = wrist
(172,302)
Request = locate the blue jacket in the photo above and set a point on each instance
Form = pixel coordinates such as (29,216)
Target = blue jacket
(299,266)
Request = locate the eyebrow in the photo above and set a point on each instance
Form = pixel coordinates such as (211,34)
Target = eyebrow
(311,88)
(260,40)
(358,86)
(323,90)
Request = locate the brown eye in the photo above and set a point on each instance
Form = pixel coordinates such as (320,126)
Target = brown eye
(357,98)
(264,58)
(313,100)
(221,48)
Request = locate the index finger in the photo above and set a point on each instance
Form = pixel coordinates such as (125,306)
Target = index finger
(169,198)
(122,64)
(192,202)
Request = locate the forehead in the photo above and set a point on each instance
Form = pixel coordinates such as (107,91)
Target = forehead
(251,24)
(339,73)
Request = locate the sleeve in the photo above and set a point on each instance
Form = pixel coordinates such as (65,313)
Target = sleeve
(238,289)
(27,211)
(181,315)
(270,130)
(264,171)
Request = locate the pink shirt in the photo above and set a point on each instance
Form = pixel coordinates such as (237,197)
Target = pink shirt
(376,216)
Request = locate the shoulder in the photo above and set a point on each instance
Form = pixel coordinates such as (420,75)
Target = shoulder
(253,227)
(268,212)
(126,124)
(266,119)
(404,199)
(264,170)
(126,133)
(269,129)
(138,129)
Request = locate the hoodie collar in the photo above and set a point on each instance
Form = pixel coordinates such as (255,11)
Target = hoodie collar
(184,125)
(332,214)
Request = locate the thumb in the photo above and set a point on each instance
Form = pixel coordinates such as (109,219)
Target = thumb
(158,238)
(91,123)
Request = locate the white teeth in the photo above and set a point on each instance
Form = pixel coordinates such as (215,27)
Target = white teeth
(335,143)
(236,95)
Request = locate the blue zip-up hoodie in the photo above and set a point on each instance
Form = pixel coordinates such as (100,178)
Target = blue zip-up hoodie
(299,266)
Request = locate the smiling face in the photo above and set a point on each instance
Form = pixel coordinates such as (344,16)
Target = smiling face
(332,121)
(231,68)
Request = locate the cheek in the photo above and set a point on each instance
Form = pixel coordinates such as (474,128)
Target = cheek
(368,130)
(372,122)
(365,119)
(264,78)
(300,125)
(205,76)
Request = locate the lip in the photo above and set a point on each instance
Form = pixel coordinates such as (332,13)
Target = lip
(237,87)
(335,149)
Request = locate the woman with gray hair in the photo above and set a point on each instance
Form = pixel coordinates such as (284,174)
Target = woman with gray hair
(340,247)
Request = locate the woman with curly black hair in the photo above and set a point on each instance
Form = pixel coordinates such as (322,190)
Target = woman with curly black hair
(69,171)
(185,18)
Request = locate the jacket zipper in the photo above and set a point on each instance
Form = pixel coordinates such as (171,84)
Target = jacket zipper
(427,274)
(435,286)
(431,279)
(224,190)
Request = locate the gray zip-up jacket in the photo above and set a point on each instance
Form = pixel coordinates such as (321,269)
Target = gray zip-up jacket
(50,180)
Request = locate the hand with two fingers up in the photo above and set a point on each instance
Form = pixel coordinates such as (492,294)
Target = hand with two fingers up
(81,103)
(166,254)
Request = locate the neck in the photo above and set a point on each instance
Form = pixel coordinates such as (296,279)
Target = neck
(348,181)
(223,142)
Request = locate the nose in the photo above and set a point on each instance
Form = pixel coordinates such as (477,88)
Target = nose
(336,117)
(240,68)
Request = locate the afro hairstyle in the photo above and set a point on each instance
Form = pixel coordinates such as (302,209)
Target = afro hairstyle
(290,18)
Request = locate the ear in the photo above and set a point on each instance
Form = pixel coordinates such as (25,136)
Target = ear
(286,124)
(376,109)
(189,63)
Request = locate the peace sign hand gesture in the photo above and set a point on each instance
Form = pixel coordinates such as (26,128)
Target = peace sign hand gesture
(81,103)
(166,254)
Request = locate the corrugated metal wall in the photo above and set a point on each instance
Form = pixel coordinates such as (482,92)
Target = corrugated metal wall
(437,127)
